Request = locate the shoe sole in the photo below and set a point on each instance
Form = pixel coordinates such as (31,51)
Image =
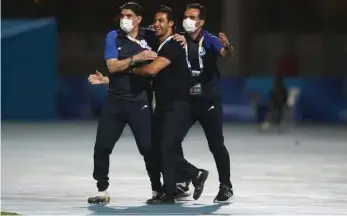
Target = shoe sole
(230,200)
(183,195)
(150,202)
(158,202)
(204,178)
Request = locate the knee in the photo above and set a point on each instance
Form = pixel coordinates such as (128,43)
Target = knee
(144,145)
(180,152)
(216,143)
(166,154)
(146,151)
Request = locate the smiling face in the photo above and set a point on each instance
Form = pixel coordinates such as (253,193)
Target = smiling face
(162,24)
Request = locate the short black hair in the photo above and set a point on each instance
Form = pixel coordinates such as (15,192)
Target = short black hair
(169,14)
(134,7)
(200,7)
(168,11)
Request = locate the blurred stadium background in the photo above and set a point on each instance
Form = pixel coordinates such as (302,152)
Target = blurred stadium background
(49,47)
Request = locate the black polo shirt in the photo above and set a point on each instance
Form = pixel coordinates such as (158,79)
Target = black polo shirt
(209,53)
(172,83)
(124,84)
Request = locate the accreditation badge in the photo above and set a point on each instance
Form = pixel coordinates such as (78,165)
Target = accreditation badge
(196,73)
(196,89)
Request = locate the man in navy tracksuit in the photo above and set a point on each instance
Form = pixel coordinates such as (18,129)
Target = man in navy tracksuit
(127,101)
(202,51)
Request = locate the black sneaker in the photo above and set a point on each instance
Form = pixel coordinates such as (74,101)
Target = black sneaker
(163,199)
(199,183)
(182,190)
(225,194)
(155,197)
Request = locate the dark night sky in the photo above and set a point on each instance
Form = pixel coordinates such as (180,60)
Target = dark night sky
(98,16)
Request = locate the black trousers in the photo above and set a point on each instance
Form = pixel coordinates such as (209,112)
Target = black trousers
(116,114)
(209,113)
(184,170)
(167,134)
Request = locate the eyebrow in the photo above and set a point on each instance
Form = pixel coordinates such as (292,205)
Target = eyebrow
(190,16)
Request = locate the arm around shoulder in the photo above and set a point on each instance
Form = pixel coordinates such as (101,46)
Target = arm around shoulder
(165,56)
(153,68)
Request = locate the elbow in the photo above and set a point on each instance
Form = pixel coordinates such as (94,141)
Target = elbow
(112,69)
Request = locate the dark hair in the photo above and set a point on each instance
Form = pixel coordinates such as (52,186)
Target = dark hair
(200,7)
(134,7)
(169,13)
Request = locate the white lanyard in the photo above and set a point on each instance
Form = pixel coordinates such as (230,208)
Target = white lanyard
(142,43)
(164,42)
(201,64)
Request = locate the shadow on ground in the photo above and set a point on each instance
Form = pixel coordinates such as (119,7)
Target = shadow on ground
(178,209)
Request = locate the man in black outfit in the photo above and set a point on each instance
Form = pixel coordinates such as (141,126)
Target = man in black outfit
(202,52)
(127,100)
(171,86)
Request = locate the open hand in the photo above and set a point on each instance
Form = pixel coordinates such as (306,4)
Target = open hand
(181,39)
(145,55)
(97,78)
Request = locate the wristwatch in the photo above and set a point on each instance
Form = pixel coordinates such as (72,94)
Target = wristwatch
(132,70)
(132,62)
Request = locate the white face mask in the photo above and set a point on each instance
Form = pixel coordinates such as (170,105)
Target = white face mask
(126,25)
(189,25)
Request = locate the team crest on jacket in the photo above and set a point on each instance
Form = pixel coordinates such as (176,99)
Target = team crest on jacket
(202,51)
(143,44)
